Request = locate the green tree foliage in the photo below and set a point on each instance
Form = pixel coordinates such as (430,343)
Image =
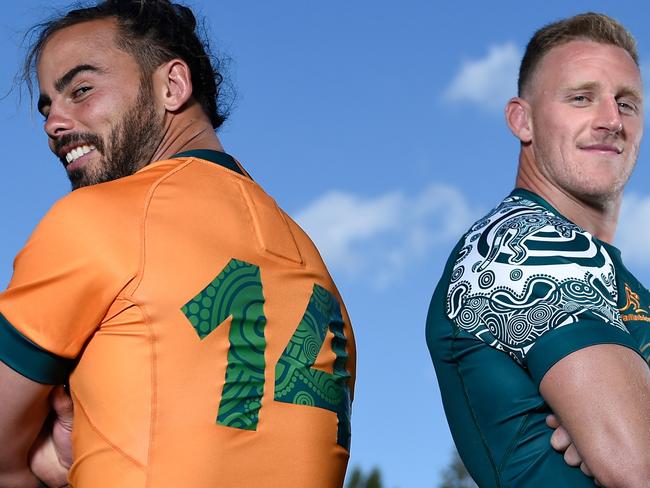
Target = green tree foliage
(357,479)
(455,475)
(374,479)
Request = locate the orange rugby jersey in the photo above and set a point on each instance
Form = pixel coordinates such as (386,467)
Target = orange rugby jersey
(207,343)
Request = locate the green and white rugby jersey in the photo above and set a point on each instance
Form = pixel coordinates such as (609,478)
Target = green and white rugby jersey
(524,288)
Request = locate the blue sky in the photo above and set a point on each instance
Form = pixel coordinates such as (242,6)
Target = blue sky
(379,126)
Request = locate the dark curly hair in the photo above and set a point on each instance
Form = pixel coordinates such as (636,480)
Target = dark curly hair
(153,32)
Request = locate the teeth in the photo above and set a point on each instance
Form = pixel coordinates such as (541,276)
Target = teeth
(77,152)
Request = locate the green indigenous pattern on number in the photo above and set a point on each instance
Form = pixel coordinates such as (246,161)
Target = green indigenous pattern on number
(236,292)
(297,382)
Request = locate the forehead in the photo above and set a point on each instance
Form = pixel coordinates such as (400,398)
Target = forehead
(91,42)
(579,62)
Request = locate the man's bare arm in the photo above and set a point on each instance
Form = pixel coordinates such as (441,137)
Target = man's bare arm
(601,395)
(23,408)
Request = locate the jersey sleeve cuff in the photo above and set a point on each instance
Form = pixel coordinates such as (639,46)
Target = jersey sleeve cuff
(560,342)
(29,359)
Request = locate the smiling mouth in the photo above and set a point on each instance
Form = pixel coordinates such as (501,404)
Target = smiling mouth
(603,148)
(77,152)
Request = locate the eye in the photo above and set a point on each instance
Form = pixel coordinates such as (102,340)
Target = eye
(79,92)
(627,107)
(580,100)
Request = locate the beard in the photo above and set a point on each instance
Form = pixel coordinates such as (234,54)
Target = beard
(129,146)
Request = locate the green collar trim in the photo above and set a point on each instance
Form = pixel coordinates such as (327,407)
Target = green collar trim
(529,195)
(217,157)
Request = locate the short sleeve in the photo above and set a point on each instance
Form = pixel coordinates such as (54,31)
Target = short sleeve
(532,284)
(64,281)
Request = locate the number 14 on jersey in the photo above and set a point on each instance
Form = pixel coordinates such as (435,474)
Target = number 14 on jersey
(237,292)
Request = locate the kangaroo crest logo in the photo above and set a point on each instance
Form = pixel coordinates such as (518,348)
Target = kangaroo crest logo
(633,306)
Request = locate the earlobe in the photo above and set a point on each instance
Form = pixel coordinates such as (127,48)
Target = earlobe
(176,82)
(518,119)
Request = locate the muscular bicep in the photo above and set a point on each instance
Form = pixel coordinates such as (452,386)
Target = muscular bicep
(602,396)
(23,408)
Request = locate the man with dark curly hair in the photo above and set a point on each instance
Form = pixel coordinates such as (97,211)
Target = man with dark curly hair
(201,335)
(536,319)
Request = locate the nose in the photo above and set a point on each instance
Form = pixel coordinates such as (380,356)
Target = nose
(58,122)
(608,116)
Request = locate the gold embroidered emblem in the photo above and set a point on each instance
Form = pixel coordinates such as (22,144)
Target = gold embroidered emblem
(633,303)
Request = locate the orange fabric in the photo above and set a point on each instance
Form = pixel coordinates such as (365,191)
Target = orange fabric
(104,278)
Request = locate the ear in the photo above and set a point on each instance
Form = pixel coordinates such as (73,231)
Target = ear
(518,118)
(173,84)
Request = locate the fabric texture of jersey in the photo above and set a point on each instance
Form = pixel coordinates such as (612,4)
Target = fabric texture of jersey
(524,288)
(205,342)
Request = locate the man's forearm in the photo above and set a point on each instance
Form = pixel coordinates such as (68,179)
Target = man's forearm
(22,478)
(14,468)
(23,410)
(601,396)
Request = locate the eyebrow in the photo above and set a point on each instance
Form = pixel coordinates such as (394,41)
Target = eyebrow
(589,85)
(64,81)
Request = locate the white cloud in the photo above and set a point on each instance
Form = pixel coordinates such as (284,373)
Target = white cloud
(633,231)
(488,82)
(379,237)
(337,221)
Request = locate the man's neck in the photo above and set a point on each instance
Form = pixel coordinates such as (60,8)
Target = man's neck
(186,131)
(600,219)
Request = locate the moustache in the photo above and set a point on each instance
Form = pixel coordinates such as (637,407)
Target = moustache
(77,139)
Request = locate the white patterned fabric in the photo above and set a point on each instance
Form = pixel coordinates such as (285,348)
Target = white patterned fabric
(525,270)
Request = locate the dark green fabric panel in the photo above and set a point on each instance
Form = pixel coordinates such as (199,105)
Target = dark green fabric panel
(494,410)
(30,360)
(559,343)
(636,314)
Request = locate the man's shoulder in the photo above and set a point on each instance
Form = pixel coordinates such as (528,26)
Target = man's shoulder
(114,198)
(101,213)
(523,270)
(520,235)
(92,204)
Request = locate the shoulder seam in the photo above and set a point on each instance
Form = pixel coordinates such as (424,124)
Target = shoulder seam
(143,224)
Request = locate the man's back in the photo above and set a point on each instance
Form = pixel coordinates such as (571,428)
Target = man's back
(213,306)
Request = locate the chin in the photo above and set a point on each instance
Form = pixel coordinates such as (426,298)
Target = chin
(601,198)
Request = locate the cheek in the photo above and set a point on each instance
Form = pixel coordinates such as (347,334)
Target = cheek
(637,132)
(100,112)
(547,126)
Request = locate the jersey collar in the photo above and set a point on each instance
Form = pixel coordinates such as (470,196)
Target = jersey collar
(217,157)
(529,195)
